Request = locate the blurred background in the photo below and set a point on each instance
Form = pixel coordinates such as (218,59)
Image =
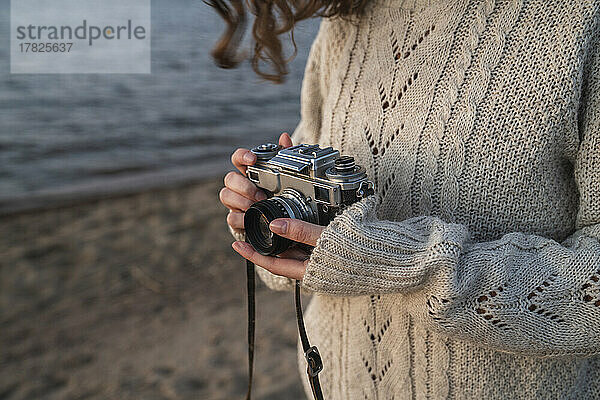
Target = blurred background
(117,279)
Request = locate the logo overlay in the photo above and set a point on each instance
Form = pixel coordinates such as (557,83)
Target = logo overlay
(80,36)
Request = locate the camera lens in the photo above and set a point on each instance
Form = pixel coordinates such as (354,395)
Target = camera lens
(265,232)
(259,216)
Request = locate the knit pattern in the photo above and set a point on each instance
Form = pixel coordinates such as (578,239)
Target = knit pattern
(474,272)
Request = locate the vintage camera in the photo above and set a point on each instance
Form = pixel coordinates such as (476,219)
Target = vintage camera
(305,182)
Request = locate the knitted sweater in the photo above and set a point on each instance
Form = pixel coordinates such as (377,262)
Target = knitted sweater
(474,272)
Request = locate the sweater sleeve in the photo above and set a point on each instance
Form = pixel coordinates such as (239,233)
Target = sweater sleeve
(307,130)
(523,293)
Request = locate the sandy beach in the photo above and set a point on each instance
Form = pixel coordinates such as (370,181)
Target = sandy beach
(135,297)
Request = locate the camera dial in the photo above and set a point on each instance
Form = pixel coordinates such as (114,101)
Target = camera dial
(266,151)
(345,170)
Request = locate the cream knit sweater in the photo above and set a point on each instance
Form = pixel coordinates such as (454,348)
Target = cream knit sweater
(475,270)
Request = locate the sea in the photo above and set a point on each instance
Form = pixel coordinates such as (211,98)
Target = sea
(75,135)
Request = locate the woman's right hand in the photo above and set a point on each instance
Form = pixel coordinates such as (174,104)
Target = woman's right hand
(239,192)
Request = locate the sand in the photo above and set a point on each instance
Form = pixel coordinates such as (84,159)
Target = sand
(137,297)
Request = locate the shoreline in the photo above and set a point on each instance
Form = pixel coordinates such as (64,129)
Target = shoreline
(107,188)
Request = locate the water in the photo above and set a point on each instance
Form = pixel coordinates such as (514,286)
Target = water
(63,132)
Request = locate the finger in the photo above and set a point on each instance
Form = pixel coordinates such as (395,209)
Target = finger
(235,219)
(285,141)
(297,230)
(293,269)
(242,185)
(233,200)
(241,158)
(295,254)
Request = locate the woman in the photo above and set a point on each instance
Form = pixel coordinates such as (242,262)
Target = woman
(475,270)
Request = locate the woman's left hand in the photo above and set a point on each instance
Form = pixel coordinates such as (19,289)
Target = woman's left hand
(291,263)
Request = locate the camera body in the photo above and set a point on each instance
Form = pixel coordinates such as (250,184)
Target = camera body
(306,182)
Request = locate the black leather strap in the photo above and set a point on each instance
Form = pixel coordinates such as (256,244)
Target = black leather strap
(251,323)
(311,353)
(313,359)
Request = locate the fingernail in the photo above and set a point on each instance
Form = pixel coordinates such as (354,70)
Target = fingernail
(249,157)
(238,246)
(278,226)
(260,195)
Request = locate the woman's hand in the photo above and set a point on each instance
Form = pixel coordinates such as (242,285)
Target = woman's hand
(239,192)
(291,263)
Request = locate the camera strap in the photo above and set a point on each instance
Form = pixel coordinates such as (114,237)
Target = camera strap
(313,359)
(251,322)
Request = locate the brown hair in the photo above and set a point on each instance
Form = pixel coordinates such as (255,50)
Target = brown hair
(273,18)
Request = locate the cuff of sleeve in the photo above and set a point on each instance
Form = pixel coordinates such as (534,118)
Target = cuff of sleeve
(358,254)
(237,234)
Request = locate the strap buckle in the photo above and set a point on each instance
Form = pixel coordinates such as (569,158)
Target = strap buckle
(313,358)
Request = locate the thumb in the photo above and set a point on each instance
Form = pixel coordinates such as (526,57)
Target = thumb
(285,141)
